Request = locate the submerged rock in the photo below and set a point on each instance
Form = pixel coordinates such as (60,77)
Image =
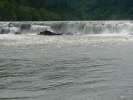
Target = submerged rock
(46,32)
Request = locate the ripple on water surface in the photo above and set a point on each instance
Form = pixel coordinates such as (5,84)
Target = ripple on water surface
(66,67)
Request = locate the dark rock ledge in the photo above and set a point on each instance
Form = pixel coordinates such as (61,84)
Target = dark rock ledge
(46,32)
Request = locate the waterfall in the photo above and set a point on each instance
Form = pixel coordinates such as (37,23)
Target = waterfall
(69,27)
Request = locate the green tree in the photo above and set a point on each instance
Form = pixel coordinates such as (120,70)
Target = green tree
(7,11)
(48,6)
(27,13)
(48,16)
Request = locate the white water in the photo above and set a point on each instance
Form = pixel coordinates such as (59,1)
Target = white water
(72,27)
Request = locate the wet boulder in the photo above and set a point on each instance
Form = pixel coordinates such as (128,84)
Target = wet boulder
(46,32)
(17,33)
(5,31)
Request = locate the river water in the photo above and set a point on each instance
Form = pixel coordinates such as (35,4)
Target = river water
(92,61)
(78,67)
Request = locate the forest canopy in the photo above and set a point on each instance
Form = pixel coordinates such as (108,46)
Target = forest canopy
(58,10)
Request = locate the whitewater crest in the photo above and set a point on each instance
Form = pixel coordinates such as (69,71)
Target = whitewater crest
(69,27)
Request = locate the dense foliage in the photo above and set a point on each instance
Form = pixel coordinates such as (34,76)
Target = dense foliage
(109,9)
(42,10)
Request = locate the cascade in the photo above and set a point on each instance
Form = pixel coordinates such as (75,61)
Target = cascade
(69,27)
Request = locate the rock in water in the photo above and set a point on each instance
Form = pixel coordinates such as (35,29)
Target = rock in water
(17,33)
(46,32)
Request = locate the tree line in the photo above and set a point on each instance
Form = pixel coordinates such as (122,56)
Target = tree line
(109,9)
(57,10)
(38,10)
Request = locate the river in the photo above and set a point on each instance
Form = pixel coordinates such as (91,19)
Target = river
(67,67)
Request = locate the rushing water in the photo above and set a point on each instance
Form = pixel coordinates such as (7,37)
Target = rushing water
(69,27)
(74,67)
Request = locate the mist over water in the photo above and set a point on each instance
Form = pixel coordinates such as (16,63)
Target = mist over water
(96,64)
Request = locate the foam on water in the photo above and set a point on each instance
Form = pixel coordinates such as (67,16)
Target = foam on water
(8,40)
